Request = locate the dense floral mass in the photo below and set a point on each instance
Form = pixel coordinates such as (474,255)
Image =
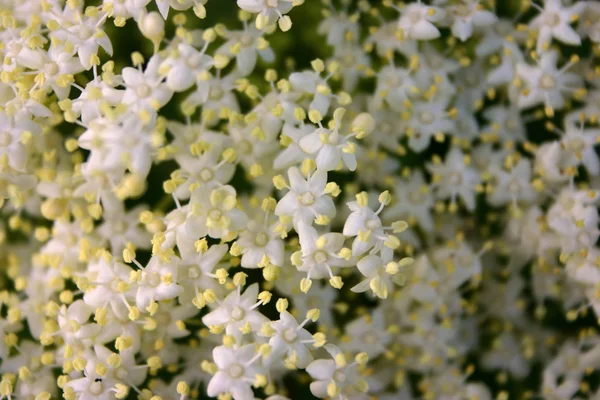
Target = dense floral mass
(410,211)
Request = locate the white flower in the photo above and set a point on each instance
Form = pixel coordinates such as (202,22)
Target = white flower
(237,370)
(269,11)
(368,334)
(381,274)
(214,94)
(291,340)
(393,86)
(467,15)
(236,311)
(553,162)
(110,286)
(307,198)
(145,90)
(416,21)
(505,123)
(206,171)
(91,387)
(507,354)
(514,185)
(428,118)
(455,178)
(412,200)
(259,240)
(158,281)
(319,253)
(546,84)
(216,215)
(554,22)
(183,64)
(335,377)
(246,46)
(330,148)
(311,82)
(574,217)
(196,270)
(120,228)
(14,135)
(86,36)
(580,142)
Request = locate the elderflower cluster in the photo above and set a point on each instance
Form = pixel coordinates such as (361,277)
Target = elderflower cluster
(297,199)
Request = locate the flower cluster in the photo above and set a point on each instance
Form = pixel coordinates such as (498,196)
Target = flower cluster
(410,212)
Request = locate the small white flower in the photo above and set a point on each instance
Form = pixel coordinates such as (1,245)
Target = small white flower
(546,84)
(455,178)
(306,199)
(417,21)
(238,368)
(158,282)
(236,310)
(259,240)
(555,21)
(183,64)
(468,15)
(291,340)
(368,334)
(216,215)
(334,377)
(319,253)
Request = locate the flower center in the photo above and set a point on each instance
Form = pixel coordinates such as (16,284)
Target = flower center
(246,40)
(215,215)
(206,175)
(472,81)
(339,376)
(547,82)
(143,91)
(502,29)
(514,186)
(245,147)
(193,272)
(349,60)
(369,338)
(272,3)
(51,69)
(121,373)
(35,364)
(216,93)
(163,319)
(119,226)
(154,279)
(194,61)
(261,239)
(96,388)
(455,178)
(415,197)
(552,19)
(576,145)
(85,32)
(290,335)
(372,224)
(386,127)
(511,125)
(426,117)
(320,257)
(307,199)
(235,371)
(237,314)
